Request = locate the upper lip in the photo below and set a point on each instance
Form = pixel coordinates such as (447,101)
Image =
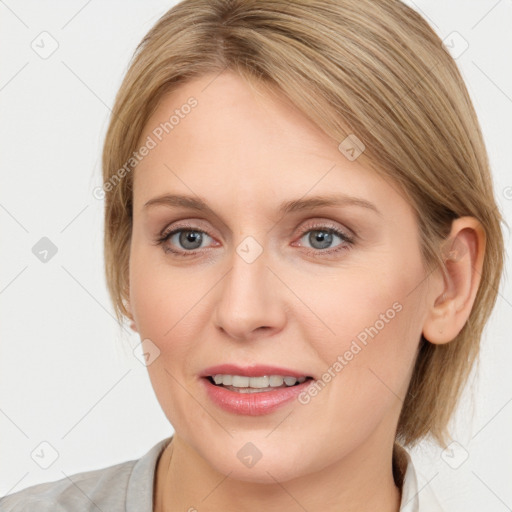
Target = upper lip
(251,371)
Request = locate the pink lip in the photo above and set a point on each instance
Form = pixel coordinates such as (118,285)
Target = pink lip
(251,371)
(251,404)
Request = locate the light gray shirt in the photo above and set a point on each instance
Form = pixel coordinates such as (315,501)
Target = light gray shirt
(128,487)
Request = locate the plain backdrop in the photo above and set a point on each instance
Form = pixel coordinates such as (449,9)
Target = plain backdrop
(74,395)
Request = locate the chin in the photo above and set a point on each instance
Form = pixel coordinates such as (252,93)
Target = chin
(268,472)
(259,461)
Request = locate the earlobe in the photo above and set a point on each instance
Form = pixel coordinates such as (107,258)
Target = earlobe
(456,286)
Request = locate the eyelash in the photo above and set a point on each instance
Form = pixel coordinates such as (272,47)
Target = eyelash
(347,240)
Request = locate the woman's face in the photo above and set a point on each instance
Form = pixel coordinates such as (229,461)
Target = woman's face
(270,280)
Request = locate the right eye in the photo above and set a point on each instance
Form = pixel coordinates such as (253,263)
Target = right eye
(187,240)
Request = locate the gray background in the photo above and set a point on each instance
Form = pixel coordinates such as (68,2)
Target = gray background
(73,394)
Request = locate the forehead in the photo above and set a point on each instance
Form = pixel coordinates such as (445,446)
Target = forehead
(241,144)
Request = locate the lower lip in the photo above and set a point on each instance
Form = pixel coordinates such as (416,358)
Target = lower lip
(252,404)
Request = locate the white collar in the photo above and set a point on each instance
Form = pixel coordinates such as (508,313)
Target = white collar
(414,499)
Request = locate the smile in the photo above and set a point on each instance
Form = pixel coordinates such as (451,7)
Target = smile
(252,390)
(245,384)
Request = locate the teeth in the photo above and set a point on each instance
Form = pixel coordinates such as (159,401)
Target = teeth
(276,380)
(240,381)
(259,382)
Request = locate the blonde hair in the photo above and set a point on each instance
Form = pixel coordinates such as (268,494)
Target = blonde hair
(372,69)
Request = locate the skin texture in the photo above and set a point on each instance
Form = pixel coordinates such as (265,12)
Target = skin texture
(295,305)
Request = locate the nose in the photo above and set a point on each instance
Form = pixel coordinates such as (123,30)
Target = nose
(250,303)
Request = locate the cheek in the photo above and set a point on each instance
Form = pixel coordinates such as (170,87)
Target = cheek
(363,306)
(368,328)
(160,298)
(163,306)
(367,363)
(170,309)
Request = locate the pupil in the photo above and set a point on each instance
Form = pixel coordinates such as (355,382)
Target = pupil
(190,237)
(323,237)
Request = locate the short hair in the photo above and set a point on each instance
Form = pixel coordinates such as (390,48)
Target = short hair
(373,70)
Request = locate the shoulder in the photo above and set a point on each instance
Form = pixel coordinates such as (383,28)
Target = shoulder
(114,488)
(72,491)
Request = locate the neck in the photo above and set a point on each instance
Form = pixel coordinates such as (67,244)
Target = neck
(361,481)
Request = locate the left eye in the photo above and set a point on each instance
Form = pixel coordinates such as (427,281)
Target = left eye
(323,238)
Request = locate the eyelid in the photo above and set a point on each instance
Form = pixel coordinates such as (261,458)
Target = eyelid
(329,224)
(192,225)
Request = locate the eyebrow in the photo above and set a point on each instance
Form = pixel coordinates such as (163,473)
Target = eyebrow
(296,205)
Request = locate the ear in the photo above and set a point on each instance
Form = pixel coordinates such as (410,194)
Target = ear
(454,289)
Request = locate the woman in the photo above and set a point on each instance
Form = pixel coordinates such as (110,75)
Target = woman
(300,224)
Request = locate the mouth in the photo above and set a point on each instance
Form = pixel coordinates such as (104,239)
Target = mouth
(253,390)
(255,384)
